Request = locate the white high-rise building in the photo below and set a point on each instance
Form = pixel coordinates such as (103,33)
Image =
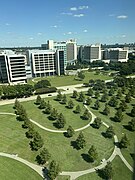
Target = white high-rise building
(118,54)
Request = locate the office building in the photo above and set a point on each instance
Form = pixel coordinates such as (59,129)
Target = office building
(46,62)
(91,53)
(12,68)
(118,54)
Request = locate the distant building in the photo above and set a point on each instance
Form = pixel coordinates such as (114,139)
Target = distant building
(91,53)
(12,68)
(115,54)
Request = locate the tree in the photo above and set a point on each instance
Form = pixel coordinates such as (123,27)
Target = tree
(128,98)
(97,94)
(81,75)
(64,99)
(37,142)
(113,101)
(123,105)
(38,100)
(16,104)
(106,110)
(133,111)
(70,104)
(124,142)
(96,104)
(48,108)
(104,97)
(97,123)
(111,91)
(78,109)
(43,157)
(92,153)
(61,121)
(81,97)
(86,115)
(54,114)
(90,92)
(31,132)
(53,170)
(26,123)
(88,101)
(80,141)
(107,172)
(109,132)
(75,94)
(70,131)
(131,124)
(42,104)
(59,96)
(118,116)
(42,84)
(119,94)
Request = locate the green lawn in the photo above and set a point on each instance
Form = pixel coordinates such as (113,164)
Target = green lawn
(14,170)
(13,140)
(120,172)
(70,80)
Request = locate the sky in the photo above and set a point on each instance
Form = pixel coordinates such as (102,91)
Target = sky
(33,22)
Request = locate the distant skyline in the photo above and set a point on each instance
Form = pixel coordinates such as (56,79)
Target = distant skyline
(33,22)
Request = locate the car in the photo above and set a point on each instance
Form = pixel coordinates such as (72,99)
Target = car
(49,95)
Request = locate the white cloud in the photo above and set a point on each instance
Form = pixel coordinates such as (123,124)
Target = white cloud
(78,15)
(73,9)
(7,24)
(67,13)
(122,17)
(83,7)
(85,30)
(69,32)
(111,15)
(31,38)
(55,26)
(123,36)
(39,34)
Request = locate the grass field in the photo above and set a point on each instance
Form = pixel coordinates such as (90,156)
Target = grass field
(120,172)
(70,80)
(14,170)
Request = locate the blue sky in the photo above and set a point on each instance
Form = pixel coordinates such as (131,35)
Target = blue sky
(33,22)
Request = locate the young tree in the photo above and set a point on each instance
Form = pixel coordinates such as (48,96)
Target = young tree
(111,91)
(90,92)
(53,170)
(88,101)
(123,105)
(80,141)
(81,75)
(70,104)
(37,142)
(119,94)
(86,115)
(42,104)
(124,142)
(38,100)
(92,153)
(54,114)
(96,104)
(16,104)
(26,123)
(128,98)
(113,101)
(31,132)
(70,131)
(118,116)
(64,99)
(131,124)
(59,96)
(106,110)
(97,123)
(78,109)
(107,172)
(81,97)
(75,94)
(97,94)
(43,157)
(104,97)
(109,132)
(61,121)
(48,108)
(133,111)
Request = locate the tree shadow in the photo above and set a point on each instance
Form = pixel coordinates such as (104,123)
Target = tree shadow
(129,114)
(45,173)
(86,158)
(127,127)
(66,135)
(132,155)
(74,145)
(103,134)
(100,173)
